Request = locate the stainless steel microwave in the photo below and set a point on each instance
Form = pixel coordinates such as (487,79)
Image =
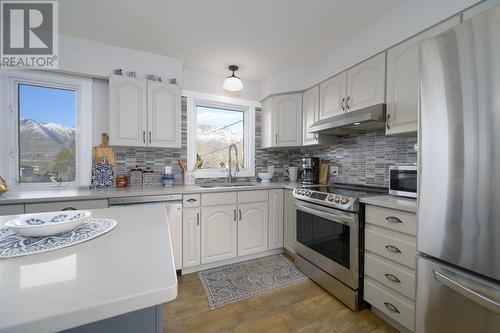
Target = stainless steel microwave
(403,181)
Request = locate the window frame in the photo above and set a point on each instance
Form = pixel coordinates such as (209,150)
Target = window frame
(83,124)
(195,99)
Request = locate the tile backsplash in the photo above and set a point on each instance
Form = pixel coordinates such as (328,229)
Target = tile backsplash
(362,159)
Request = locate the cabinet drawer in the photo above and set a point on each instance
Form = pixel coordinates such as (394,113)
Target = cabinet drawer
(391,275)
(213,199)
(393,219)
(394,306)
(65,205)
(11,209)
(191,200)
(252,196)
(391,247)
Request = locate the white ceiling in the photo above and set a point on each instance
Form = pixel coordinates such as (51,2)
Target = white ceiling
(260,36)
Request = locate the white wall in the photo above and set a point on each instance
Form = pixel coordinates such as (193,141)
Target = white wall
(83,56)
(212,84)
(100,109)
(406,20)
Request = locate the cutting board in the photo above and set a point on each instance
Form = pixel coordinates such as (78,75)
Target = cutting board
(323,172)
(103,151)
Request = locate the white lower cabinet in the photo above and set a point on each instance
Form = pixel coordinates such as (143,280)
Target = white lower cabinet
(289,221)
(390,263)
(252,228)
(275,219)
(191,237)
(218,233)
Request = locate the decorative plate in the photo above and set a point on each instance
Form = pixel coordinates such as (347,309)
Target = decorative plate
(46,224)
(103,175)
(14,245)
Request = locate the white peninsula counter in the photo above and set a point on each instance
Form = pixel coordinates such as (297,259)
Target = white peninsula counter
(123,275)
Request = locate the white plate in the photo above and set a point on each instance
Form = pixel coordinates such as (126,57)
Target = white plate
(47,224)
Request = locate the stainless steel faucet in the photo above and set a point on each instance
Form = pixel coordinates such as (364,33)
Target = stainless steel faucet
(230,174)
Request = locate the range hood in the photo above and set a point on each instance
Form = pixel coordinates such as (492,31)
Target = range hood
(367,119)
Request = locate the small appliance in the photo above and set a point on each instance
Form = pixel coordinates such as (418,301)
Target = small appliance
(310,170)
(403,181)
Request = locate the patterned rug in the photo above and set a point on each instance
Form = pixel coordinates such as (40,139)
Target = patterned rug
(231,283)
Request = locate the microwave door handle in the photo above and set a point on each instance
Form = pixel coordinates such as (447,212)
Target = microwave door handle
(463,290)
(328,216)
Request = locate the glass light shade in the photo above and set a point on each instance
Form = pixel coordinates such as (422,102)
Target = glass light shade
(232,83)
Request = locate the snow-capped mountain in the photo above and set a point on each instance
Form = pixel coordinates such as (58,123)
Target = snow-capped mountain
(46,137)
(221,134)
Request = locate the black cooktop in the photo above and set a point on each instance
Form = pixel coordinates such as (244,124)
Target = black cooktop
(353,191)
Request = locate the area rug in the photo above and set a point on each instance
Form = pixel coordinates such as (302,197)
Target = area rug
(231,283)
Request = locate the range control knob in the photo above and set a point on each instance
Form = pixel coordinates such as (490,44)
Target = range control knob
(336,199)
(330,198)
(308,193)
(344,201)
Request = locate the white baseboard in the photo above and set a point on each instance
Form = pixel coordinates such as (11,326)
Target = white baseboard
(230,261)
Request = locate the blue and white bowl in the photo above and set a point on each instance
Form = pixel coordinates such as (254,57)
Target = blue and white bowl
(47,224)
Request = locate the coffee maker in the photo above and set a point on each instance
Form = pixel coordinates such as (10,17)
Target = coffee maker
(310,170)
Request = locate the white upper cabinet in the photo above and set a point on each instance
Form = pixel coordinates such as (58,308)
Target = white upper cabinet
(252,228)
(127,111)
(282,121)
(402,81)
(366,83)
(288,120)
(310,114)
(144,113)
(164,115)
(332,96)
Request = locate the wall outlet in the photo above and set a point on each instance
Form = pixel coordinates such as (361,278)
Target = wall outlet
(334,170)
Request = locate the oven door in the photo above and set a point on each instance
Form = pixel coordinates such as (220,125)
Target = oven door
(329,238)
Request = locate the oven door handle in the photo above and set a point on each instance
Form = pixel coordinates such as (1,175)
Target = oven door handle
(329,216)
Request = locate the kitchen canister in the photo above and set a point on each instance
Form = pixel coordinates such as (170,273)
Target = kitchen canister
(148,177)
(135,177)
(189,178)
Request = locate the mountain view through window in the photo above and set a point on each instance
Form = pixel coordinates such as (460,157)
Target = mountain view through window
(46,134)
(217,129)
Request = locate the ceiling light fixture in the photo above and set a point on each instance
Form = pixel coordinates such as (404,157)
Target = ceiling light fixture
(233,83)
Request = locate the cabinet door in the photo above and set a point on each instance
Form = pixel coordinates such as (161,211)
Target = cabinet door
(275,219)
(366,83)
(310,114)
(402,81)
(289,221)
(164,115)
(252,228)
(332,94)
(191,237)
(127,111)
(267,134)
(218,233)
(287,120)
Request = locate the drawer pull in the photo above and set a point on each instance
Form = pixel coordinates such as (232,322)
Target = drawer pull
(393,219)
(68,208)
(391,307)
(392,278)
(392,248)
(191,200)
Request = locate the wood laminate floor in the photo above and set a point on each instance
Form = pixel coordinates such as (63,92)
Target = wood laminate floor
(302,307)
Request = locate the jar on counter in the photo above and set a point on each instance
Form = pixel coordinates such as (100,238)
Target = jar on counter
(148,177)
(135,179)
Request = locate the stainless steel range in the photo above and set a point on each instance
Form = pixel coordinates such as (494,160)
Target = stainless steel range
(329,238)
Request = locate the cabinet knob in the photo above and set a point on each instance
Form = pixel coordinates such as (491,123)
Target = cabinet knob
(393,219)
(68,208)
(392,248)
(391,307)
(197,218)
(392,278)
(143,136)
(347,102)
(342,104)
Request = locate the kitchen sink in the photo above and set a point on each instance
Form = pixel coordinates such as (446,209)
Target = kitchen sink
(215,185)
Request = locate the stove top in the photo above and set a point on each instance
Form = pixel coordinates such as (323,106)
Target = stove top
(340,196)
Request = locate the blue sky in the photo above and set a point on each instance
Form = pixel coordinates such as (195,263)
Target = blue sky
(217,117)
(47,105)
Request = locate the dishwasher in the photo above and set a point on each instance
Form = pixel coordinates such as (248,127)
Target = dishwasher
(173,206)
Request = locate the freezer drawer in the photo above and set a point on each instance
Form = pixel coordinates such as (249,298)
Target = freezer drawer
(449,300)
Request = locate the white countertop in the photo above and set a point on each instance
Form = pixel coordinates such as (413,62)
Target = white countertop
(62,194)
(391,201)
(127,269)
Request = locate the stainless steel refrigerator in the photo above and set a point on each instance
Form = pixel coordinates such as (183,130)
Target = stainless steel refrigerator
(458,286)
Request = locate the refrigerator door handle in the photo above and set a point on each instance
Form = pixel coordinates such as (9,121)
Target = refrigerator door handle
(467,292)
